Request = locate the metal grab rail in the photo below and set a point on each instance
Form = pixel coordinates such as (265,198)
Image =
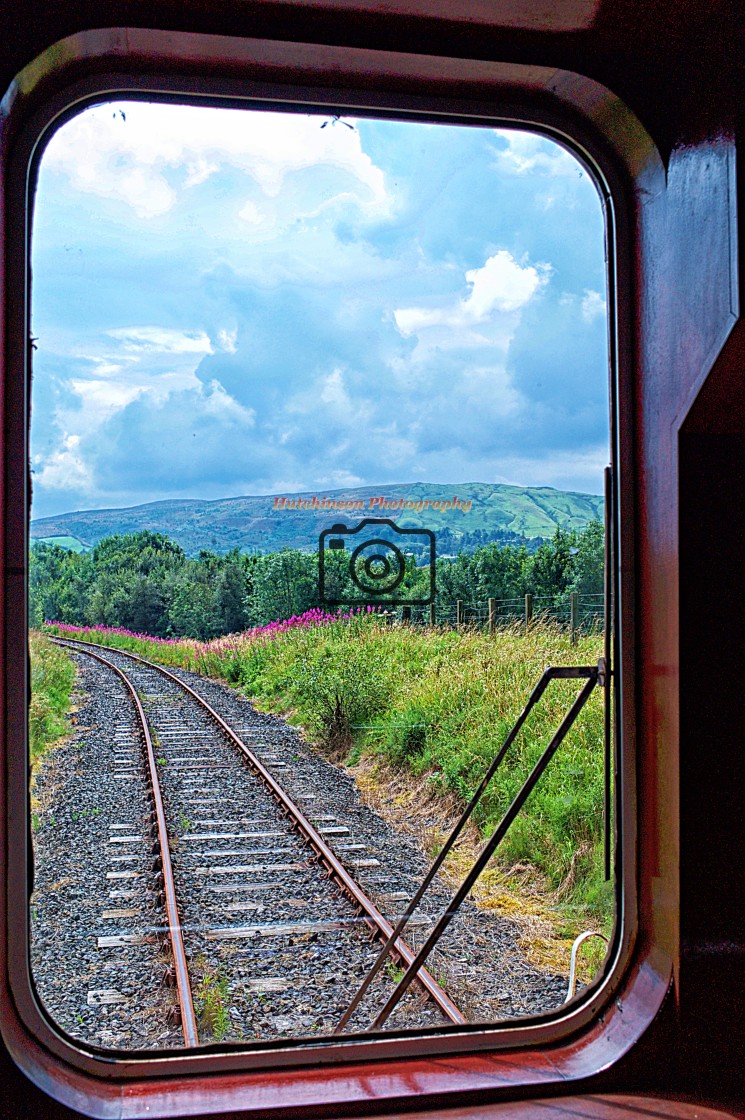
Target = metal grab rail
(552,673)
(578,942)
(592,675)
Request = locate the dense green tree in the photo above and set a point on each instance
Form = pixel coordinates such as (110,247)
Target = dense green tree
(588,560)
(284,583)
(145,582)
(549,570)
(59,582)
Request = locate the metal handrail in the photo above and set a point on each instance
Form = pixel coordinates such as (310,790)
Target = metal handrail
(578,941)
(593,675)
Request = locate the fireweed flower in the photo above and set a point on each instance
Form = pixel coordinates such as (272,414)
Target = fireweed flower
(228,644)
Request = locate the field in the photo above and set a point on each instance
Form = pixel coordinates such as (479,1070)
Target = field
(434,705)
(65,541)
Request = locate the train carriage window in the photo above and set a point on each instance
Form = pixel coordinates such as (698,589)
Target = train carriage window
(319,429)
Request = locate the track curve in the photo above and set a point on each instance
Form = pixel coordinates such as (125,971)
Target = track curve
(378,926)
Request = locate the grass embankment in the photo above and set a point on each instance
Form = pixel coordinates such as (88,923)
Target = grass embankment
(52,678)
(436,705)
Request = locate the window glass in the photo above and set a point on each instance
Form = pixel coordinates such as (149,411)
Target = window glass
(319,423)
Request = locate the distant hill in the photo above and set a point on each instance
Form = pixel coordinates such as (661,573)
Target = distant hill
(265,524)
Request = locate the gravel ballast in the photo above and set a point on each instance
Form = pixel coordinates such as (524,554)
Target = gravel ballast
(273,950)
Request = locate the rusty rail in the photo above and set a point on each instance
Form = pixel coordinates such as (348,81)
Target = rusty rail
(379,926)
(183,982)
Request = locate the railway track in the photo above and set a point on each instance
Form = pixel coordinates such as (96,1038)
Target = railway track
(238,892)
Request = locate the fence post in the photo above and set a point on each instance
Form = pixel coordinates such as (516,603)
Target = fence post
(458,613)
(432,614)
(528,609)
(573,617)
(492,616)
(406,615)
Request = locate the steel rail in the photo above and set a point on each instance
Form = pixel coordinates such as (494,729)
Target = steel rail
(379,926)
(183,982)
(564,672)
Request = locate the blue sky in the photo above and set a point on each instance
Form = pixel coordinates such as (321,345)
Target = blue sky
(229,302)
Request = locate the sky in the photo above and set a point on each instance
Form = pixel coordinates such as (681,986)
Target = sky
(230,302)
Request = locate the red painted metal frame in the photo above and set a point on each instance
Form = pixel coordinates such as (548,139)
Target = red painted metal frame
(673,250)
(378,925)
(478,1059)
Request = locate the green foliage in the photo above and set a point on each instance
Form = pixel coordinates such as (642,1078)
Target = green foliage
(570,561)
(52,678)
(283,584)
(440,703)
(146,584)
(142,582)
(212,1001)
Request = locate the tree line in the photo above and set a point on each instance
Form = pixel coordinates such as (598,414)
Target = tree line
(145,582)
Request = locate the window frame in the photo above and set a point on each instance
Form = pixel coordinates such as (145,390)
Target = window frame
(620,156)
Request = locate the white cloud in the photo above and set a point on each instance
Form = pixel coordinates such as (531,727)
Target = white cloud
(218,403)
(329,399)
(110,372)
(337,480)
(593,305)
(65,469)
(104,398)
(489,389)
(228,340)
(251,214)
(500,285)
(162,340)
(527,153)
(578,469)
(145,154)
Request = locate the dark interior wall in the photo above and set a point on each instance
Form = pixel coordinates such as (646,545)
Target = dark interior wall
(712,713)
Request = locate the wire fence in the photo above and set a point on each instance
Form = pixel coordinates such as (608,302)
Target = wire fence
(579,614)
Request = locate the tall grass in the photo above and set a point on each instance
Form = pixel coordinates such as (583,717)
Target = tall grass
(52,678)
(438,703)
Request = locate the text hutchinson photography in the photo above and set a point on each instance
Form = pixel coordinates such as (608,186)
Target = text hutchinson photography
(379,503)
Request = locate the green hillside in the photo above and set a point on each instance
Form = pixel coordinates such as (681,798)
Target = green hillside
(262,524)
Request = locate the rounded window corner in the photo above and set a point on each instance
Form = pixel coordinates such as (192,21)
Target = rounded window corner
(600,130)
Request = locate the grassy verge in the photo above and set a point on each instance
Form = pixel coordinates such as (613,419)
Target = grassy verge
(52,678)
(436,705)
